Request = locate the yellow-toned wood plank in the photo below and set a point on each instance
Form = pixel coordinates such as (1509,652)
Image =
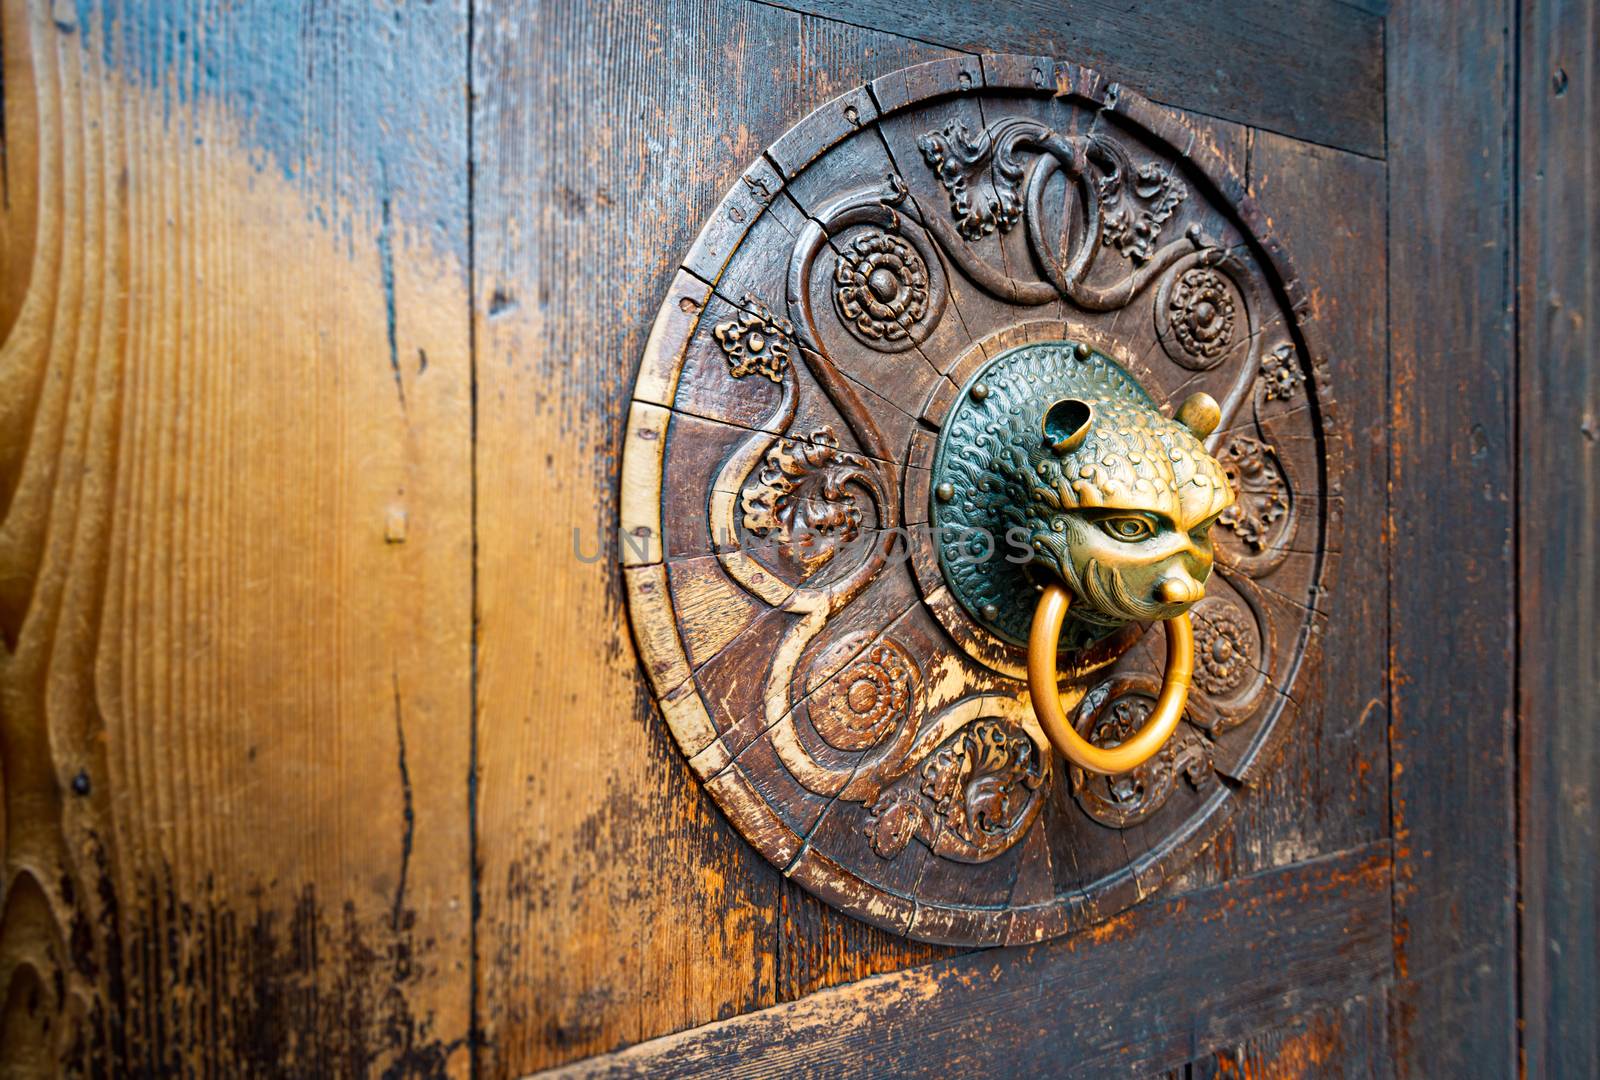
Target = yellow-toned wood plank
(235,543)
(616,902)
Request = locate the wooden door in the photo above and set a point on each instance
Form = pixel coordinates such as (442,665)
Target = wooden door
(327,747)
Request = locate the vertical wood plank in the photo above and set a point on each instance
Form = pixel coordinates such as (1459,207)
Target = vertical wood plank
(1329,209)
(1558,415)
(235,559)
(616,902)
(1453,582)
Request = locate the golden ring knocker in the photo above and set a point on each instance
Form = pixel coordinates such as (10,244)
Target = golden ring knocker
(1043,641)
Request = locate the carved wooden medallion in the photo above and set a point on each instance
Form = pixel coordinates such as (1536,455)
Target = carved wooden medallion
(788,592)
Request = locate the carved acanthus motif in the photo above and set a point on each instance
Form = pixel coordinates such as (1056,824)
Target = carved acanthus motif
(981,780)
(970,797)
(1135,199)
(1280,375)
(757,341)
(896,819)
(1201,312)
(982,199)
(1131,797)
(984,176)
(1262,495)
(799,497)
(881,287)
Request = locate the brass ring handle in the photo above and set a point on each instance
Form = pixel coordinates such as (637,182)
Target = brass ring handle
(1043,641)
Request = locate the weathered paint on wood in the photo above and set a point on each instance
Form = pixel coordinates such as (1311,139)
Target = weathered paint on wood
(1127,999)
(235,550)
(1348,1041)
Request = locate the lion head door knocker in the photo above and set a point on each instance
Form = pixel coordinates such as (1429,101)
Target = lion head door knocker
(980,385)
(1056,447)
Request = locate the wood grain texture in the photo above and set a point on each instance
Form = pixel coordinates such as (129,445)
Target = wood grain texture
(1279,945)
(1315,73)
(1558,418)
(616,903)
(1452,585)
(237,784)
(234,546)
(1348,1041)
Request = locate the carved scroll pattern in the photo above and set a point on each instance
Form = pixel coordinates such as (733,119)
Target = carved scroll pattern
(1112,712)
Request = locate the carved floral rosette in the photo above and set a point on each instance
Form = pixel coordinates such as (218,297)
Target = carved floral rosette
(852,721)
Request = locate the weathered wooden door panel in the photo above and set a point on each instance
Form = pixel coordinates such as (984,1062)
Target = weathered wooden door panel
(326,747)
(760,940)
(1452,385)
(1330,795)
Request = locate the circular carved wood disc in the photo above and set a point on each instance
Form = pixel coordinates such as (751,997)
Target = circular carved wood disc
(852,720)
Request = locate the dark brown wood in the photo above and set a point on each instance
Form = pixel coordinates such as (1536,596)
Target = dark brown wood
(1558,535)
(1149,991)
(1453,580)
(1348,1041)
(1316,74)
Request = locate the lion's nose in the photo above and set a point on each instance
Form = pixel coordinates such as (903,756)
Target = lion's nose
(1179,588)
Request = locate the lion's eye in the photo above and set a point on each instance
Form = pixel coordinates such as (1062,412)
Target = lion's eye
(1128,529)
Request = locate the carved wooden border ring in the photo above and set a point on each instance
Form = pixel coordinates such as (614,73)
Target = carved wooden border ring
(870,740)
